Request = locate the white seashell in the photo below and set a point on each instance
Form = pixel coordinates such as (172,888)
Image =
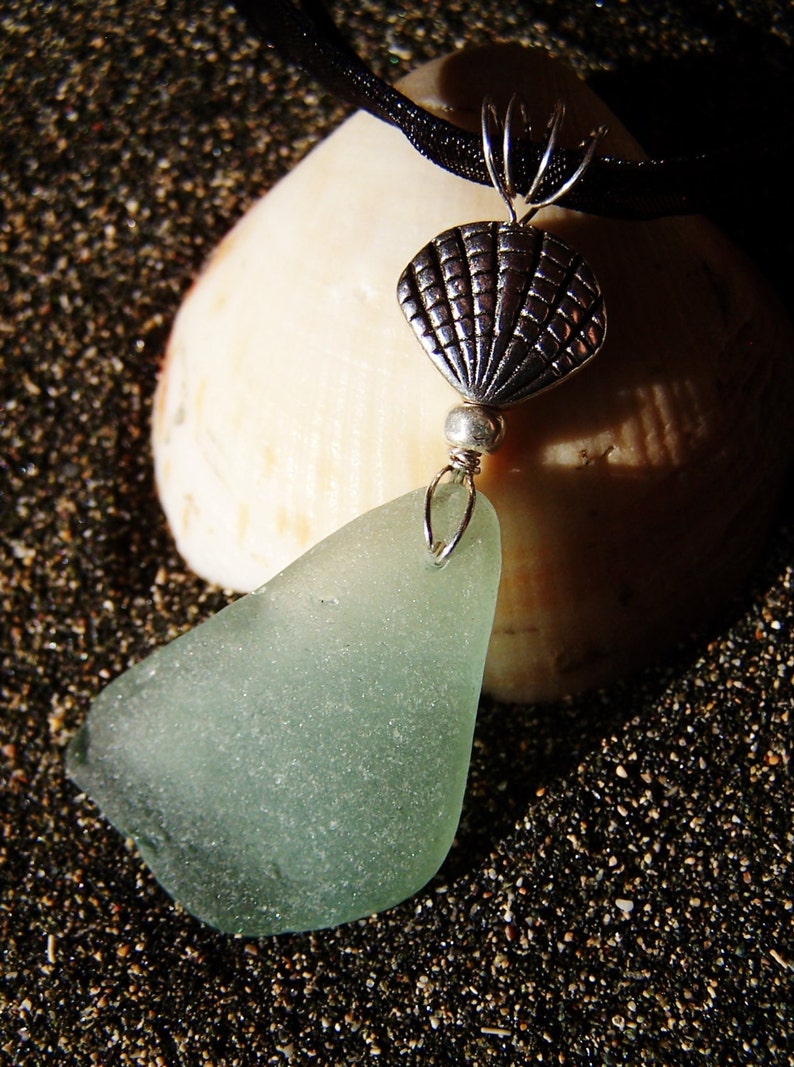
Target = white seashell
(632,500)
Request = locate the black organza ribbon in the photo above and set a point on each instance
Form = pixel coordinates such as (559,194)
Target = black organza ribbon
(715,181)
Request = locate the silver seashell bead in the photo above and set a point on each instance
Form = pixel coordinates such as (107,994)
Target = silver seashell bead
(503,310)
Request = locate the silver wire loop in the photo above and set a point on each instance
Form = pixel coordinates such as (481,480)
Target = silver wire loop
(441,550)
(492,127)
(501,171)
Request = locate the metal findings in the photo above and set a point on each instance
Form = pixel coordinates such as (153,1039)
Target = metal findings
(439,549)
(475,428)
(503,310)
(471,430)
(493,128)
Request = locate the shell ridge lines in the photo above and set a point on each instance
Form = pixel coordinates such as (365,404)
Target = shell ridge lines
(576,269)
(460,291)
(409,293)
(419,295)
(580,345)
(511,350)
(446,331)
(547,356)
(557,339)
(486,295)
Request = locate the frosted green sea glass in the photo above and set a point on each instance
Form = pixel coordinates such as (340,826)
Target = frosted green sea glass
(299,760)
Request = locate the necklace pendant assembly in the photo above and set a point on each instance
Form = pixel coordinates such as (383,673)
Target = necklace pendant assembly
(299,760)
(504,310)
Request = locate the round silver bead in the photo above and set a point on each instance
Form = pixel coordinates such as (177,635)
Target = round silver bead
(474,427)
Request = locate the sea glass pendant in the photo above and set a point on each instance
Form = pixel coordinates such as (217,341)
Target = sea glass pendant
(299,760)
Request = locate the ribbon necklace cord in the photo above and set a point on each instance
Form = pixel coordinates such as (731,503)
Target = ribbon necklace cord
(305,34)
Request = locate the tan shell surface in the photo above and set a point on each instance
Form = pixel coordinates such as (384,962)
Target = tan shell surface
(632,499)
